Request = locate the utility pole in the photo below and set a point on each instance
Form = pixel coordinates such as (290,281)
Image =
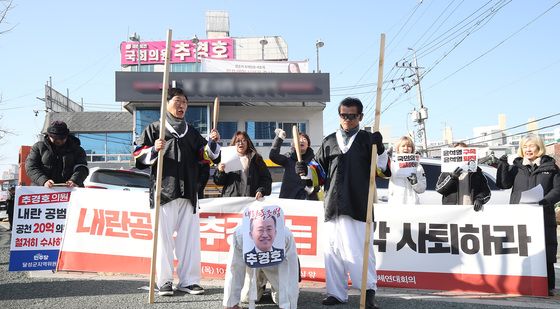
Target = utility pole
(421,115)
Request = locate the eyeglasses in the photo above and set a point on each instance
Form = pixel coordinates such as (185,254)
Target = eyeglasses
(241,141)
(349,116)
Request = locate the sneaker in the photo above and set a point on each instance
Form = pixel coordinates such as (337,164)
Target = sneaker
(166,289)
(330,301)
(193,289)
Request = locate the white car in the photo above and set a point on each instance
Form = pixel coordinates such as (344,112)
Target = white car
(117,179)
(432,169)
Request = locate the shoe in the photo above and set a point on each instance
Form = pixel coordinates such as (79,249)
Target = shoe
(166,289)
(193,289)
(551,292)
(331,300)
(370,300)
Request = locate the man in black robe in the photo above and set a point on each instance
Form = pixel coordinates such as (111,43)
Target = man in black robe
(346,158)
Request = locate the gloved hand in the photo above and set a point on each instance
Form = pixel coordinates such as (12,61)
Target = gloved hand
(478,205)
(377,139)
(504,158)
(301,168)
(308,183)
(457,172)
(280,133)
(413,179)
(390,152)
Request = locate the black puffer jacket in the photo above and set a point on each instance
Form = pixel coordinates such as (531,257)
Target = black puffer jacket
(521,178)
(258,180)
(292,185)
(448,186)
(57,163)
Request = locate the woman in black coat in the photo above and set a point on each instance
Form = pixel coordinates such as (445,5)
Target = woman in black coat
(463,187)
(531,168)
(295,186)
(253,180)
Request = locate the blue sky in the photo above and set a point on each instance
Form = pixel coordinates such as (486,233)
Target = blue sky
(77,43)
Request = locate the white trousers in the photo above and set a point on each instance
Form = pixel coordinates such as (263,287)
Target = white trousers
(283,277)
(344,250)
(177,216)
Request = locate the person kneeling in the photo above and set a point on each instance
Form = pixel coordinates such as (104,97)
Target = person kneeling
(273,257)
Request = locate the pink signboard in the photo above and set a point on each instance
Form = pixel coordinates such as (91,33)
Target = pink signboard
(182,51)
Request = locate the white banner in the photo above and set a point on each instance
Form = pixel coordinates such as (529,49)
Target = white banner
(241,66)
(422,247)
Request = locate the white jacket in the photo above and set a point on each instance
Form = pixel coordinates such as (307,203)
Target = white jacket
(283,277)
(402,192)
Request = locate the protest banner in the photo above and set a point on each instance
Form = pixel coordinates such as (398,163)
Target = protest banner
(465,158)
(110,231)
(405,164)
(39,218)
(421,247)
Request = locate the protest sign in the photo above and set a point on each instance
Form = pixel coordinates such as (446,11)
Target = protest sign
(39,218)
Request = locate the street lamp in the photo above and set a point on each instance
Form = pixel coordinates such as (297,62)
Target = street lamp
(195,40)
(318,45)
(136,38)
(263,43)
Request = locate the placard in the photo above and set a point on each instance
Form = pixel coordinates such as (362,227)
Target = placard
(465,158)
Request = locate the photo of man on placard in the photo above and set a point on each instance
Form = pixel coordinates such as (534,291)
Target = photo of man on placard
(263,232)
(261,247)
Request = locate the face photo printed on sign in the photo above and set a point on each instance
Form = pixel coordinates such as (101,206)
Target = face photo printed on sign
(263,235)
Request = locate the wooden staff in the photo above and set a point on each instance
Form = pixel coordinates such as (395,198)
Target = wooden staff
(295,134)
(216,112)
(372,194)
(159,175)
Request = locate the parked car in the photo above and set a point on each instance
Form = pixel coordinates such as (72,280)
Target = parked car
(432,168)
(117,179)
(3,198)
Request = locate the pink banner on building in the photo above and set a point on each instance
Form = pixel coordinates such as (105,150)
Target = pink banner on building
(183,51)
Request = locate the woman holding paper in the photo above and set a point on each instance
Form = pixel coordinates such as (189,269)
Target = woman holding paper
(462,187)
(253,179)
(407,176)
(295,186)
(532,168)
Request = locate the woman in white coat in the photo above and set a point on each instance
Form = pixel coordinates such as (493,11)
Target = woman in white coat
(404,189)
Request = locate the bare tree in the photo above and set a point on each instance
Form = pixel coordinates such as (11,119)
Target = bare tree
(5,7)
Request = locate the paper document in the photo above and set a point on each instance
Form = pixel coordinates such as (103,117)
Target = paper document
(532,196)
(231,159)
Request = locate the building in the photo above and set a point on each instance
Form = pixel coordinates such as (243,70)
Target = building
(251,75)
(259,90)
(105,136)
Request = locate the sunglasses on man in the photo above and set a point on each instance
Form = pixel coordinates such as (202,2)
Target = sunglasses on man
(349,116)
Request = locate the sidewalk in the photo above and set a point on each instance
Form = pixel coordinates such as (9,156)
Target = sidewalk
(437,298)
(317,290)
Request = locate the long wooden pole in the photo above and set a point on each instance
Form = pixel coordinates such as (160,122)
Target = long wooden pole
(216,113)
(159,176)
(372,194)
(295,136)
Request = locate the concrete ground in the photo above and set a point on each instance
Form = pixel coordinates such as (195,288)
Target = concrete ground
(110,290)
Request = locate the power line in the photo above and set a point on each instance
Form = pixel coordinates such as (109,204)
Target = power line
(498,138)
(496,46)
(514,127)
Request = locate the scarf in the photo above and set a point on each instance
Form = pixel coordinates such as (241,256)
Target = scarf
(347,135)
(178,124)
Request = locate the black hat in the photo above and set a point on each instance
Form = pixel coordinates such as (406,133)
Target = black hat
(58,128)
